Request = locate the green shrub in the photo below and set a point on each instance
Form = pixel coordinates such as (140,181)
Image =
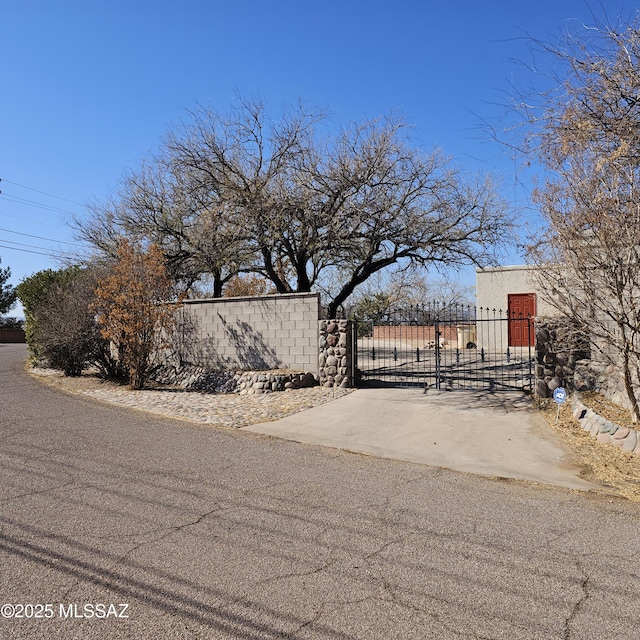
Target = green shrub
(61,328)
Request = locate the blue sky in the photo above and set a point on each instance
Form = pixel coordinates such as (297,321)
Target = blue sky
(88,89)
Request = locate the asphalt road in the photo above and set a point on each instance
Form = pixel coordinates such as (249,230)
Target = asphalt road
(211,533)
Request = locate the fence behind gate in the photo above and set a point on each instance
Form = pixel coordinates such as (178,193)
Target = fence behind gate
(446,347)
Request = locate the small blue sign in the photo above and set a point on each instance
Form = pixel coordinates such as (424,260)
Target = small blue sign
(559,395)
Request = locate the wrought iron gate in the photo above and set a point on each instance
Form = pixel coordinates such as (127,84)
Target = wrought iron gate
(445,347)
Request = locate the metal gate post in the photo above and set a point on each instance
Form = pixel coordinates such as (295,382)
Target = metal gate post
(355,373)
(437,332)
(529,342)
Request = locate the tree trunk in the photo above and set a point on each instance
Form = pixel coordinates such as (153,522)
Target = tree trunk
(218,284)
(358,278)
(271,273)
(628,385)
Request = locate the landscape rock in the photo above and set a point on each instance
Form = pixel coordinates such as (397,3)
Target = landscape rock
(542,390)
(631,441)
(621,432)
(604,430)
(244,382)
(554,383)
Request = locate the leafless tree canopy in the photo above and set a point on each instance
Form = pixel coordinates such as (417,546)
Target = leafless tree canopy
(245,193)
(588,138)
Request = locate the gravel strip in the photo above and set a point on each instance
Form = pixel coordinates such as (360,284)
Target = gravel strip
(227,410)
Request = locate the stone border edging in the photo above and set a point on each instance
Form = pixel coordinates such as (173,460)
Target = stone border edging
(252,382)
(196,378)
(604,430)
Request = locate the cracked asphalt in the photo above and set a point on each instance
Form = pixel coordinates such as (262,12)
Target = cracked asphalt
(218,533)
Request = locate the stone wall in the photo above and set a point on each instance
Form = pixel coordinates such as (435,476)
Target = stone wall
(607,378)
(559,346)
(336,358)
(250,333)
(565,358)
(195,378)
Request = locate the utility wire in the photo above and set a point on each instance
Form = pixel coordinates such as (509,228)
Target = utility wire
(40,253)
(42,224)
(19,233)
(22,244)
(44,193)
(33,203)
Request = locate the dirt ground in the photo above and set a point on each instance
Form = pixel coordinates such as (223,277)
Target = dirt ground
(617,471)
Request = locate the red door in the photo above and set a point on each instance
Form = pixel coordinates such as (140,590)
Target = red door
(522,309)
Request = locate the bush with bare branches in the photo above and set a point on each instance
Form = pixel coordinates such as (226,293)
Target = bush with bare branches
(587,137)
(136,305)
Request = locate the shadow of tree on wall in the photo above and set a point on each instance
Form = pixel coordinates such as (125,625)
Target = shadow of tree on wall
(251,349)
(189,344)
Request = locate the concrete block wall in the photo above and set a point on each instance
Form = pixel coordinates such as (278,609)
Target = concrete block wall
(252,333)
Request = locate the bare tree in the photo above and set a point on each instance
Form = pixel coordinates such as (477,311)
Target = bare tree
(303,208)
(413,287)
(160,204)
(253,166)
(588,139)
(390,204)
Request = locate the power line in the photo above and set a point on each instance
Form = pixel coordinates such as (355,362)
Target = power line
(44,193)
(44,224)
(22,244)
(33,203)
(19,233)
(40,253)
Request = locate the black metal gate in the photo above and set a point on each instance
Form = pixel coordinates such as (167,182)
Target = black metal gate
(446,346)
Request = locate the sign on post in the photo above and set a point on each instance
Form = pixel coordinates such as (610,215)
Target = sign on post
(559,395)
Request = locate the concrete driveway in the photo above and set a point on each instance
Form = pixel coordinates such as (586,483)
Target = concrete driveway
(496,435)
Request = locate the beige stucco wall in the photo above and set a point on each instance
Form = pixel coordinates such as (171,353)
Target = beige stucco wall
(494,285)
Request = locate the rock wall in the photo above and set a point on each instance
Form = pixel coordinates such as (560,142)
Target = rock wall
(256,382)
(197,378)
(603,374)
(559,346)
(336,353)
(566,358)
